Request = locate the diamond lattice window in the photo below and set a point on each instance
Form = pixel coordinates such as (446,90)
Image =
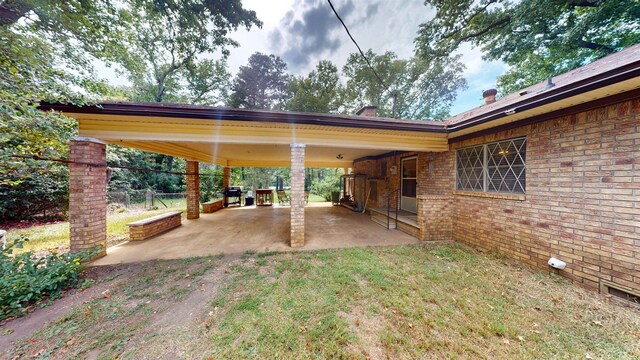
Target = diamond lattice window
(470,169)
(495,167)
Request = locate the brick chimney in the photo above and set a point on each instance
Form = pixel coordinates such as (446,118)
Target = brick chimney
(489,96)
(368,111)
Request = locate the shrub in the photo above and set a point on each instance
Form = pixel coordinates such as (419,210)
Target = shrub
(26,278)
(325,186)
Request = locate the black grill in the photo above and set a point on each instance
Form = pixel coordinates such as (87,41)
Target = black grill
(232,192)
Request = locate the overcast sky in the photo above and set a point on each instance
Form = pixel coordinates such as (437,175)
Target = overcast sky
(304,32)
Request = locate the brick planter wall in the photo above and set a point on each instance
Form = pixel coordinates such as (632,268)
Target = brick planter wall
(87,194)
(212,206)
(146,228)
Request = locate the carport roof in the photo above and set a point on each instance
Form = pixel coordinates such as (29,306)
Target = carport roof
(241,137)
(172,110)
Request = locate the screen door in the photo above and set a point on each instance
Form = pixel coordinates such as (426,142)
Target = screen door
(409,184)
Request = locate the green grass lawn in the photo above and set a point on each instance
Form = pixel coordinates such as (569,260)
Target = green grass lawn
(56,236)
(431,301)
(312,197)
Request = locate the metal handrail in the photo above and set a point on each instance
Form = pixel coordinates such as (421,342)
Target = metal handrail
(396,191)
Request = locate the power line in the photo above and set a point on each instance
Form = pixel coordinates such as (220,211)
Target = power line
(358,46)
(393,93)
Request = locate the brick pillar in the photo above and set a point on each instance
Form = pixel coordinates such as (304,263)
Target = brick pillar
(193,190)
(226,181)
(226,177)
(87,194)
(297,195)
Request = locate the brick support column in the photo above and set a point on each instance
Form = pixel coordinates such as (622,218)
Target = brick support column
(226,177)
(193,190)
(226,182)
(87,194)
(297,195)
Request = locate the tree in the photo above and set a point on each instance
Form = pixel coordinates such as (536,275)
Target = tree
(207,82)
(422,89)
(536,38)
(318,92)
(165,45)
(262,84)
(47,49)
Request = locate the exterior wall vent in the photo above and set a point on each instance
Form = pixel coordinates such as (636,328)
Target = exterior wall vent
(618,292)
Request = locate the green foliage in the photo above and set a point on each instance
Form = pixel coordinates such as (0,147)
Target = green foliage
(536,38)
(327,182)
(210,182)
(423,89)
(166,39)
(27,278)
(261,84)
(318,91)
(208,82)
(124,179)
(259,177)
(35,52)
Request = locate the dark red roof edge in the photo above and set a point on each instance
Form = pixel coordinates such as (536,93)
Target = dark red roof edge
(219,113)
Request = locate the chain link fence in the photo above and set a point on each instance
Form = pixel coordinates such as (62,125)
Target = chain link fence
(146,199)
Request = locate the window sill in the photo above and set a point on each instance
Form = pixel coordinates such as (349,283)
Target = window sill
(517,197)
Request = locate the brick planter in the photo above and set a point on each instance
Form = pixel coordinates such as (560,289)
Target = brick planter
(212,206)
(146,228)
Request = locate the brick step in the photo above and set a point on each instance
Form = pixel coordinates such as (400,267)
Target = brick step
(382,220)
(409,229)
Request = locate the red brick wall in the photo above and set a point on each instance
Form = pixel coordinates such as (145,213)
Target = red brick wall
(87,194)
(581,203)
(435,217)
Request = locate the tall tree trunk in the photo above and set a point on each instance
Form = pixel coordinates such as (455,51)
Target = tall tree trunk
(12,10)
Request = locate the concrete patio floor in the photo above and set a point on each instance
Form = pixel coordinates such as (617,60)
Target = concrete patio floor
(239,229)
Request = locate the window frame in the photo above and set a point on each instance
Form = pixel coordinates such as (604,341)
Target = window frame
(519,178)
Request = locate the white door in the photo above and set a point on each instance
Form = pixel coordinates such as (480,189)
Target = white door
(409,184)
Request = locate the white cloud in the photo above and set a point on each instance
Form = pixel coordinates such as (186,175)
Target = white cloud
(378,25)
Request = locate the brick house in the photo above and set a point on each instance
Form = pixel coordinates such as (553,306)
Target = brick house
(550,171)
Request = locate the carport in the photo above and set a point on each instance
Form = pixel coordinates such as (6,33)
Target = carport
(238,230)
(227,137)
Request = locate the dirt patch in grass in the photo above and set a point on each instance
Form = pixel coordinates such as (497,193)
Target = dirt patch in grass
(366,327)
(416,301)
